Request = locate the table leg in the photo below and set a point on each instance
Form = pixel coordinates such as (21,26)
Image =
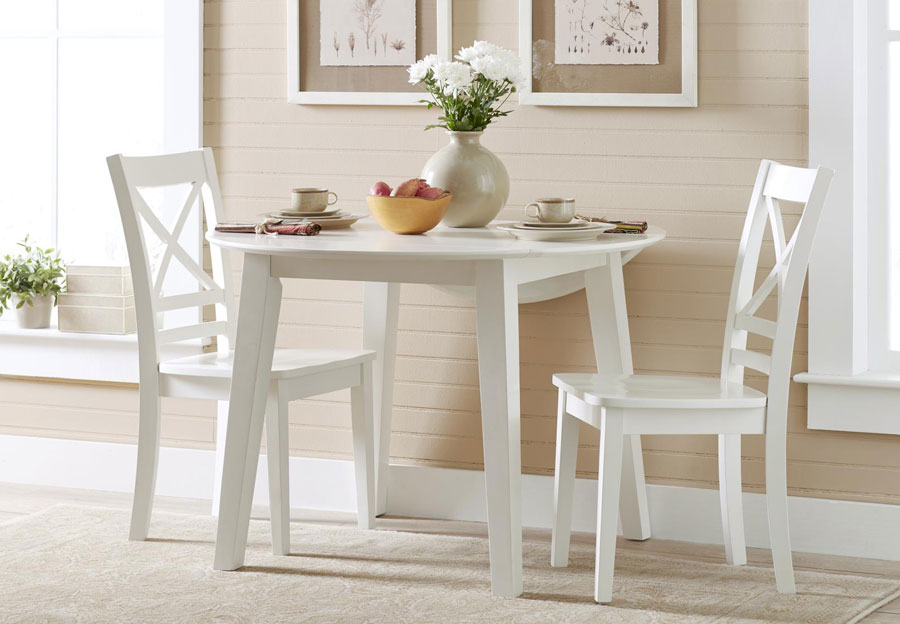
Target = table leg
(605,289)
(254,348)
(381,307)
(497,303)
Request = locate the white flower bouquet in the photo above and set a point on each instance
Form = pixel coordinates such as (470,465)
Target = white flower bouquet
(468,89)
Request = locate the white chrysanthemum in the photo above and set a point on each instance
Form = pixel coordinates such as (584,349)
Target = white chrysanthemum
(476,50)
(515,74)
(493,62)
(513,65)
(490,67)
(452,77)
(419,70)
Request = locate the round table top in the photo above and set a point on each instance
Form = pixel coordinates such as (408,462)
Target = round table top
(368,239)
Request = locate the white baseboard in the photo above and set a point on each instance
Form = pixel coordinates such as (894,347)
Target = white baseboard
(678,513)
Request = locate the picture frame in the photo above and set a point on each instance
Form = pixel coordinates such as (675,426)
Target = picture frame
(683,94)
(298,94)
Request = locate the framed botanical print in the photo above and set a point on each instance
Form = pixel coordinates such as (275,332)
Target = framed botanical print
(357,51)
(609,52)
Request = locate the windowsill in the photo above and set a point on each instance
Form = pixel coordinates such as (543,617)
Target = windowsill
(869,379)
(866,403)
(50,353)
(11,329)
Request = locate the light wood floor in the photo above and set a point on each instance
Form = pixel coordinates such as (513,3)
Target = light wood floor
(19,500)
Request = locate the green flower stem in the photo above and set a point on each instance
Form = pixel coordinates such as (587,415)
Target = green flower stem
(471,109)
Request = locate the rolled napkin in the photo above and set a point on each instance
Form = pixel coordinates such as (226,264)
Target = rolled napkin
(308,228)
(622,227)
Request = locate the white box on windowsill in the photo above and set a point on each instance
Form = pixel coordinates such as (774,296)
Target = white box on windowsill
(96,314)
(99,280)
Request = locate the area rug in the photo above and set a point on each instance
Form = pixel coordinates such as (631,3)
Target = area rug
(73,564)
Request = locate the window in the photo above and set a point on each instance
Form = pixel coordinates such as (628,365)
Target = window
(854,283)
(83,79)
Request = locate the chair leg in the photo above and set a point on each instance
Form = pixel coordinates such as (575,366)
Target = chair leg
(563,483)
(776,502)
(634,511)
(362,408)
(221,429)
(147,460)
(609,480)
(277,454)
(730,498)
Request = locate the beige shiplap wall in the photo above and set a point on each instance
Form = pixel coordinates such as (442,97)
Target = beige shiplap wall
(687,170)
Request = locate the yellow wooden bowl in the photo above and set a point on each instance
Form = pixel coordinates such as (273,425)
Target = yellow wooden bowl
(408,215)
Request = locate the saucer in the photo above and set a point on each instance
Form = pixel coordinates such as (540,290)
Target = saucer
(345,221)
(587,231)
(292,214)
(317,216)
(332,222)
(335,219)
(540,225)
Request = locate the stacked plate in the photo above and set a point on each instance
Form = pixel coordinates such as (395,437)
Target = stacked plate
(330,219)
(571,231)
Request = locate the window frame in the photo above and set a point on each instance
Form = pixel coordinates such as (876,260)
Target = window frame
(61,355)
(854,378)
(880,35)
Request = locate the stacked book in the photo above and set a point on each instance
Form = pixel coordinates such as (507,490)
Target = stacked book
(98,300)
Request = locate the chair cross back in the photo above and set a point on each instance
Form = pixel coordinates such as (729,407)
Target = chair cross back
(198,170)
(774,183)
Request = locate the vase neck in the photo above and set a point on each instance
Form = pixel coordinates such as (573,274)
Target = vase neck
(465,138)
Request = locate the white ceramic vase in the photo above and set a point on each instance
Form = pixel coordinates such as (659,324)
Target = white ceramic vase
(36,315)
(474,175)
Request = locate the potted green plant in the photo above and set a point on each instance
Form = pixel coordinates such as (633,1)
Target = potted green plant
(30,282)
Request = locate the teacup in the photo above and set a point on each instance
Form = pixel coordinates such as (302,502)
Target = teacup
(312,199)
(552,210)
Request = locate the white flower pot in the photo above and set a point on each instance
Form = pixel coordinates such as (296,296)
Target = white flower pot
(474,175)
(36,315)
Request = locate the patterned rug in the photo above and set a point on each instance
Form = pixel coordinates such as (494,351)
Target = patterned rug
(73,564)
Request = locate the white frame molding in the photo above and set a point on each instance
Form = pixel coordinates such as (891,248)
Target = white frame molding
(687,97)
(183,75)
(852,386)
(296,95)
(678,513)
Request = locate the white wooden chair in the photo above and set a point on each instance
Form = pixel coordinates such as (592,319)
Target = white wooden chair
(296,374)
(657,404)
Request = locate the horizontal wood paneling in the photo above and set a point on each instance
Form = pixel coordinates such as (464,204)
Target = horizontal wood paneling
(687,170)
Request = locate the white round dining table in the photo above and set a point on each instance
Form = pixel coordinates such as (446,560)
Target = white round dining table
(502,272)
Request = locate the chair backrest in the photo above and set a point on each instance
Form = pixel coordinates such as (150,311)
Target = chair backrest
(775,183)
(132,175)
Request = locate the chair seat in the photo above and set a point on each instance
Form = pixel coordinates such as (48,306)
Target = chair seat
(658,391)
(286,363)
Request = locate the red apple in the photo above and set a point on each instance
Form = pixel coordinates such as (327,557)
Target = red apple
(381,189)
(406,189)
(430,193)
